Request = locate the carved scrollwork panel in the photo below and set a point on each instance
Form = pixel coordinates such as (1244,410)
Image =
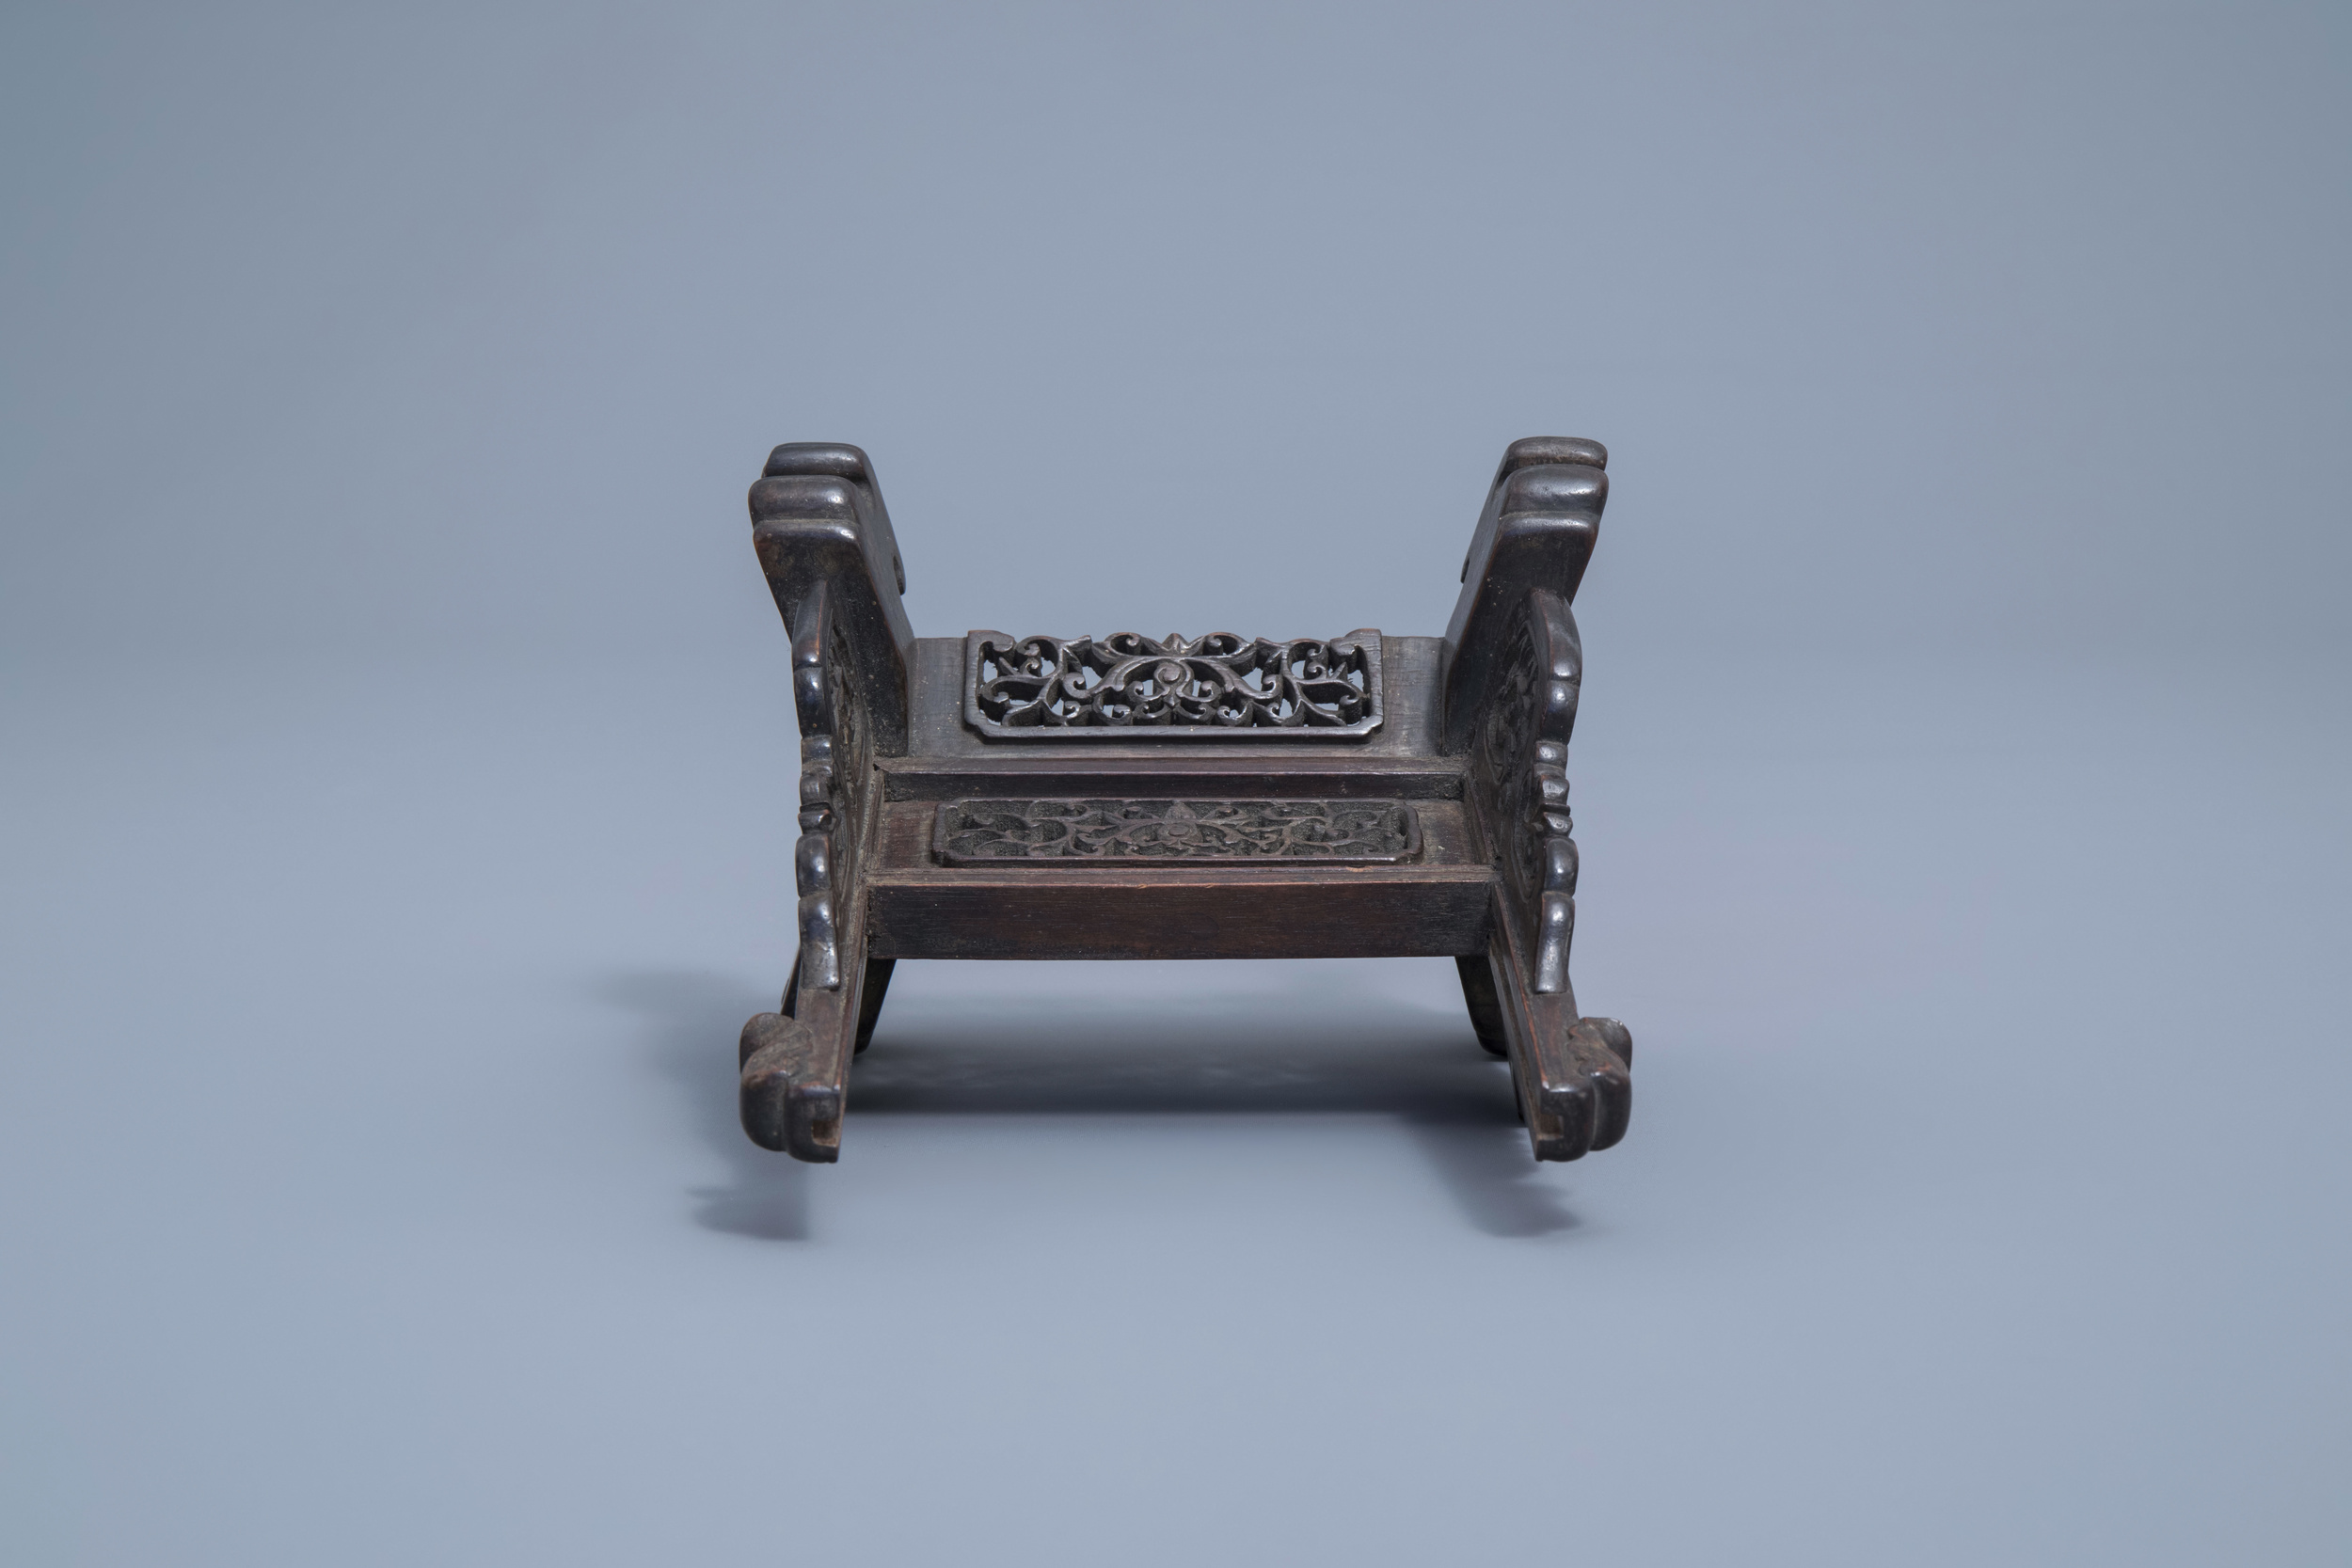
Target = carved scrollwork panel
(1354,833)
(1135,687)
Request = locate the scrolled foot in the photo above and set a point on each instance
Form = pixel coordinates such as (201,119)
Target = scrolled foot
(1583,1108)
(1585,1101)
(782,1110)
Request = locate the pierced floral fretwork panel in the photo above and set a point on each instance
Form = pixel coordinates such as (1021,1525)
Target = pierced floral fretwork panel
(1134,687)
(1351,832)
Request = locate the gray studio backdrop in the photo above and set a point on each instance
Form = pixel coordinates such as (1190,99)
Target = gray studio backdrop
(396,732)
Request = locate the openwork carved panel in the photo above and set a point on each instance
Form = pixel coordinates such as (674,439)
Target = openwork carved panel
(988,832)
(1127,687)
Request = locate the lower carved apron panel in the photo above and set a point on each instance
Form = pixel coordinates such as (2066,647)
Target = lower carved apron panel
(1068,831)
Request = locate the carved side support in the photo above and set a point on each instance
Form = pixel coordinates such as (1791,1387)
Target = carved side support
(832,564)
(1513,668)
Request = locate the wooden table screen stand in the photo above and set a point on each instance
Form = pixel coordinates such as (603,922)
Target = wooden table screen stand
(1219,797)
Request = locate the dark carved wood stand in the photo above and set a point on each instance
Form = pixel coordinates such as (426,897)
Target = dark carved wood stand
(1217,796)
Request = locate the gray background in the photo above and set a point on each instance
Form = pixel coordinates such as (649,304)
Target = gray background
(395,723)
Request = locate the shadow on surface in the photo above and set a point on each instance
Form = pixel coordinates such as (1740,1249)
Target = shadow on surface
(691,1020)
(1315,1050)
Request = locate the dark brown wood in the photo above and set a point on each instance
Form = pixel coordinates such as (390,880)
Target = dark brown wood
(870,1001)
(1366,778)
(1126,687)
(905,847)
(1485,1006)
(942,731)
(1541,521)
(817,518)
(996,830)
(1518,776)
(988,796)
(1379,912)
